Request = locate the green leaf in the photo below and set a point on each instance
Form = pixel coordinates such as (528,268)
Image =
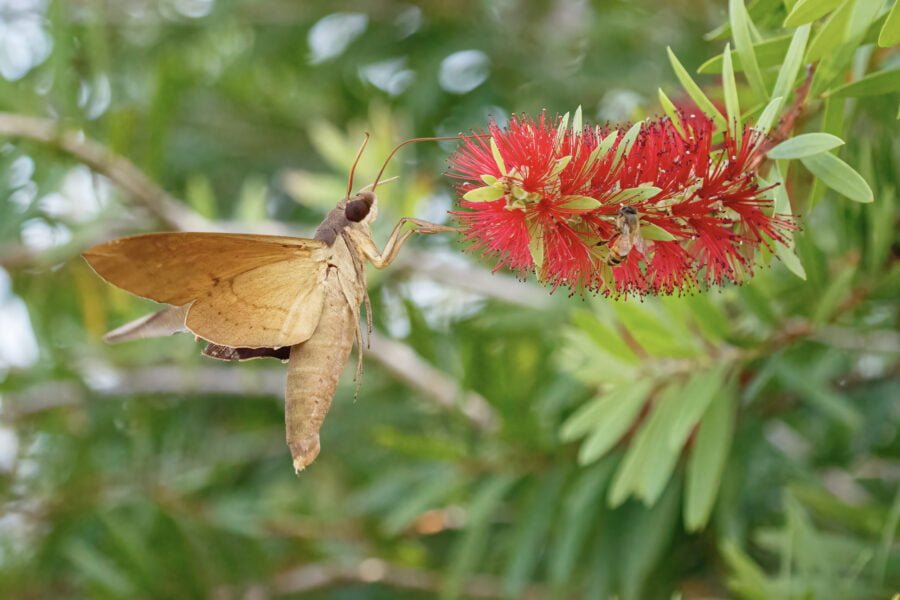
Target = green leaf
(488,193)
(769,53)
(695,397)
(671,112)
(605,420)
(831,35)
(635,194)
(577,124)
(601,150)
(424,496)
(807,11)
(578,513)
(649,231)
(561,129)
(839,176)
(807,144)
(743,43)
(531,535)
(890,32)
(694,91)
(489,179)
(560,165)
(769,114)
(873,84)
(498,158)
(707,460)
(536,246)
(790,260)
(732,104)
(790,67)
(470,548)
(626,143)
(602,336)
(579,202)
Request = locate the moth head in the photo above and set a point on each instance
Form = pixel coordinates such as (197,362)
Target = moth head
(362,208)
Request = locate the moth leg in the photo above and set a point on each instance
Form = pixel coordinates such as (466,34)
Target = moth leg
(398,237)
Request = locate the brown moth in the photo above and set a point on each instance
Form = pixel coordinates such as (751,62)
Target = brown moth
(253,296)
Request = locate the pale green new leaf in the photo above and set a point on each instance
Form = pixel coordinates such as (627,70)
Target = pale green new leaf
(649,231)
(696,395)
(839,176)
(487,193)
(671,112)
(579,202)
(694,91)
(635,194)
(732,104)
(769,114)
(626,143)
(793,59)
(873,84)
(743,43)
(769,53)
(498,158)
(790,260)
(708,458)
(890,32)
(577,124)
(831,35)
(806,11)
(807,144)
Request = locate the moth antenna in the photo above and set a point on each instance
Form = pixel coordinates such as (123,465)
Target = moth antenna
(388,180)
(421,139)
(356,162)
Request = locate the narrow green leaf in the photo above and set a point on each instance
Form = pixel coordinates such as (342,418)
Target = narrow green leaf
(647,537)
(790,260)
(577,124)
(605,419)
(489,179)
(498,158)
(770,112)
(831,35)
(579,202)
(732,104)
(470,548)
(561,129)
(560,165)
(707,460)
(484,194)
(530,538)
(626,143)
(694,91)
(839,176)
(743,43)
(579,510)
(92,565)
(426,495)
(671,112)
(890,32)
(793,59)
(649,231)
(807,144)
(536,246)
(769,53)
(807,11)
(873,84)
(635,194)
(695,397)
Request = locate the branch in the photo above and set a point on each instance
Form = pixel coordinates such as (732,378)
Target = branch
(404,364)
(99,158)
(372,570)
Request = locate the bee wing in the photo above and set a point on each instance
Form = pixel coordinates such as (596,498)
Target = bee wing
(243,290)
(639,242)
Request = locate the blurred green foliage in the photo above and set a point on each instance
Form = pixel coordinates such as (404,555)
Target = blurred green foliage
(736,443)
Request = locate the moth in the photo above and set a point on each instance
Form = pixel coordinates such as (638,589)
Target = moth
(252,296)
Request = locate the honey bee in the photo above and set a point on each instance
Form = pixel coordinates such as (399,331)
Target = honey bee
(628,229)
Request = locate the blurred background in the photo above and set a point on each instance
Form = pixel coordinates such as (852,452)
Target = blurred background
(497,447)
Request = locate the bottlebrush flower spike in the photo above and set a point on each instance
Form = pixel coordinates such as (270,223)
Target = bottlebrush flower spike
(553,200)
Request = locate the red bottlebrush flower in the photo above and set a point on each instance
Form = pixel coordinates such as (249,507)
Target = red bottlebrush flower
(652,209)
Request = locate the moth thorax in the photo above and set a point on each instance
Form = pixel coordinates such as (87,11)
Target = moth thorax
(357,209)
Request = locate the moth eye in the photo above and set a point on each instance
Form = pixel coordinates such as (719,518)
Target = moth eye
(356,210)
